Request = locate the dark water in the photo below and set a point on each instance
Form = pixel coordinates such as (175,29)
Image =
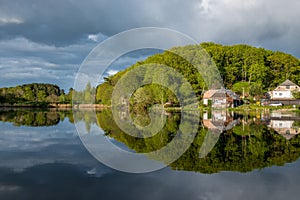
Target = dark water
(248,157)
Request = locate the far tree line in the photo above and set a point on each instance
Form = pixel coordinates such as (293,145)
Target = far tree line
(35,92)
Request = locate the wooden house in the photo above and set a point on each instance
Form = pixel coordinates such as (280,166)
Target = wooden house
(222,98)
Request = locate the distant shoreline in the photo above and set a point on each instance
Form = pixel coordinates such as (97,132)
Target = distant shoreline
(62,106)
(54,105)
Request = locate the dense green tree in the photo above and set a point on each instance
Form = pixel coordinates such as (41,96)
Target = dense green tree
(33,93)
(256,91)
(296,94)
(237,64)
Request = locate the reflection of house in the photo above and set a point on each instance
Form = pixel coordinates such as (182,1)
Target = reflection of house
(285,128)
(286,124)
(220,120)
(221,98)
(284,91)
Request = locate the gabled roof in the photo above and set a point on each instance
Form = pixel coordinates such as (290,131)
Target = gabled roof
(208,94)
(223,92)
(232,94)
(288,83)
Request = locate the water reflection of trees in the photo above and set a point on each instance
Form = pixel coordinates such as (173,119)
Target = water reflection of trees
(247,146)
(250,144)
(27,117)
(141,145)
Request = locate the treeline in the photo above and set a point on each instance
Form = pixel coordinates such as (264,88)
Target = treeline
(250,64)
(35,93)
(40,94)
(242,68)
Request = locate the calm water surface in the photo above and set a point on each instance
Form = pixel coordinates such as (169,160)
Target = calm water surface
(249,157)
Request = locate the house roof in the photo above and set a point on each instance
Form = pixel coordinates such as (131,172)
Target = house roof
(208,94)
(223,92)
(232,94)
(288,83)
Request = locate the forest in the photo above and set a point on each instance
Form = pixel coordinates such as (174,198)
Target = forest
(35,93)
(242,68)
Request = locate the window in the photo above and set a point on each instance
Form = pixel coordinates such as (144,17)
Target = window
(280,94)
(287,87)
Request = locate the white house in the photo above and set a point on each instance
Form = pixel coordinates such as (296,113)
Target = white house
(284,91)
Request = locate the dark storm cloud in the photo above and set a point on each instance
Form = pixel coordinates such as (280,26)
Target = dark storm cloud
(51,22)
(59,34)
(66,22)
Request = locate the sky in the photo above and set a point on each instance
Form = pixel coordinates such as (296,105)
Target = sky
(46,41)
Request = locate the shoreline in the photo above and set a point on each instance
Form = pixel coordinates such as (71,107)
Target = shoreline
(54,106)
(61,106)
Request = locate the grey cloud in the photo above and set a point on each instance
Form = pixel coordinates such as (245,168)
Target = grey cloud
(229,21)
(23,61)
(65,22)
(269,24)
(63,32)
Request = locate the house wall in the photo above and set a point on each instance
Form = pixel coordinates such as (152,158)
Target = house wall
(219,103)
(290,88)
(281,124)
(284,127)
(281,94)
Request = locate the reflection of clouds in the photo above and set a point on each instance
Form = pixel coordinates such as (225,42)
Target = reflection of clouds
(25,147)
(9,188)
(112,72)
(59,165)
(73,182)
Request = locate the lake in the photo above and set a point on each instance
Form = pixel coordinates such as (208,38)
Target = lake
(231,156)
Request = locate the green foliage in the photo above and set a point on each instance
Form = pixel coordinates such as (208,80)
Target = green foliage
(159,94)
(241,87)
(86,96)
(256,91)
(296,94)
(35,92)
(103,93)
(246,63)
(240,66)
